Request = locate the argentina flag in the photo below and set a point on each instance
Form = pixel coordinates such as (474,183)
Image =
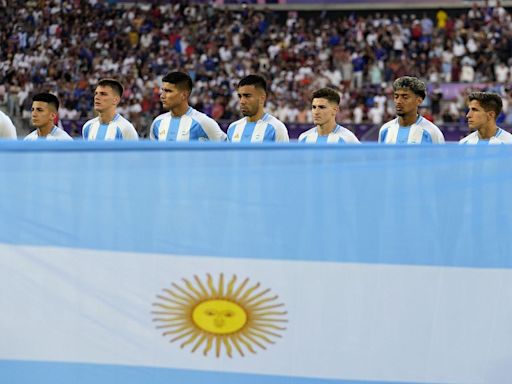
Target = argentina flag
(214,263)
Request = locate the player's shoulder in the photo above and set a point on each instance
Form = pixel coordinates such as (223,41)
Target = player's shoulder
(388,124)
(305,134)
(235,123)
(466,139)
(427,123)
(504,136)
(201,117)
(274,121)
(31,136)
(161,116)
(91,121)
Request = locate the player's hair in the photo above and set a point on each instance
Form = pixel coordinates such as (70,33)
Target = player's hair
(488,101)
(49,98)
(412,83)
(181,79)
(114,84)
(326,93)
(256,80)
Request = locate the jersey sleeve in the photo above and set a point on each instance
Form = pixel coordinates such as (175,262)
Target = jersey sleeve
(281,133)
(212,130)
(153,130)
(129,132)
(7,128)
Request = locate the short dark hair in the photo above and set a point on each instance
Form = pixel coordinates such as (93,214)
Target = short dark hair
(256,80)
(49,98)
(489,101)
(181,79)
(114,84)
(412,83)
(327,93)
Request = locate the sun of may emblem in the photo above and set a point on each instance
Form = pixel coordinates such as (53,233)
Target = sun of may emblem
(221,316)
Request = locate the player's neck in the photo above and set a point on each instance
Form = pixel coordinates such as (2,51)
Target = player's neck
(408,120)
(256,117)
(179,110)
(107,116)
(488,131)
(326,129)
(45,130)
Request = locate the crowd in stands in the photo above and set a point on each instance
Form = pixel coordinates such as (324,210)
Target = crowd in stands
(66,46)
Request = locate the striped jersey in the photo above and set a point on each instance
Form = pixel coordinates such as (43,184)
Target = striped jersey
(501,137)
(421,131)
(268,128)
(118,129)
(55,134)
(340,135)
(192,126)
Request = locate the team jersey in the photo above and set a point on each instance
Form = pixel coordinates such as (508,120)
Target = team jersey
(118,129)
(55,134)
(268,128)
(192,126)
(340,135)
(420,132)
(7,128)
(501,137)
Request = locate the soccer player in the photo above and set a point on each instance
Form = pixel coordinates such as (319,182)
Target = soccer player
(182,122)
(45,107)
(256,126)
(324,106)
(108,125)
(484,108)
(409,127)
(7,128)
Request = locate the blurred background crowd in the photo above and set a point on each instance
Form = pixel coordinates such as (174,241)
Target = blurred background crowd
(66,46)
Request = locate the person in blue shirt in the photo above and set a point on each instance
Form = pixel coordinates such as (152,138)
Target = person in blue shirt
(45,107)
(108,125)
(256,126)
(324,107)
(483,110)
(182,122)
(409,127)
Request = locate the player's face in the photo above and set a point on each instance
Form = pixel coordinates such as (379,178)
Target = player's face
(43,114)
(252,100)
(323,111)
(105,98)
(477,116)
(406,102)
(172,97)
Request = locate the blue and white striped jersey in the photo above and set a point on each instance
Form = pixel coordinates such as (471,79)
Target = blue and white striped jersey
(118,129)
(340,135)
(501,137)
(268,128)
(191,126)
(421,132)
(55,134)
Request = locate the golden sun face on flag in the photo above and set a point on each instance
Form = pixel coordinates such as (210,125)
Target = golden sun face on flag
(223,316)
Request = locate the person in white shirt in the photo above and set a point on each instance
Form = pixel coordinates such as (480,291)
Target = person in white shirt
(409,127)
(182,123)
(483,110)
(109,124)
(324,106)
(256,126)
(45,109)
(7,128)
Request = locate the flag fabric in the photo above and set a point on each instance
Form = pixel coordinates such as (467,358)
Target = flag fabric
(217,263)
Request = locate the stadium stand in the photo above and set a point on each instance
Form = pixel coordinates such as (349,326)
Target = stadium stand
(66,47)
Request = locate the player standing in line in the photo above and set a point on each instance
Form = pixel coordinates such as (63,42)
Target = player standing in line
(256,126)
(409,127)
(108,125)
(45,108)
(182,122)
(484,108)
(324,106)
